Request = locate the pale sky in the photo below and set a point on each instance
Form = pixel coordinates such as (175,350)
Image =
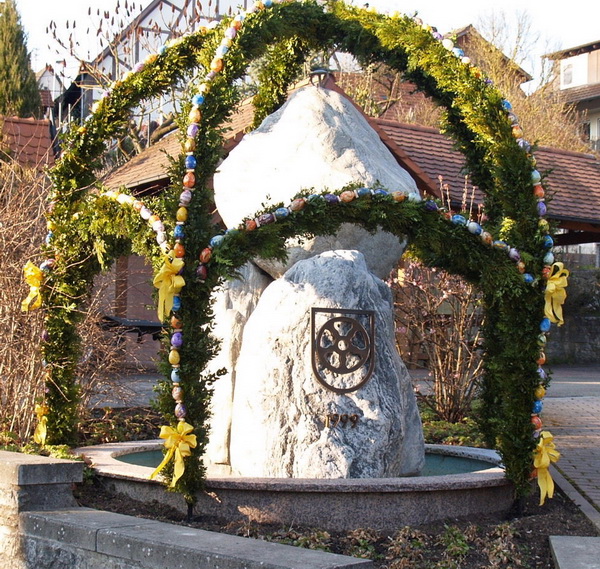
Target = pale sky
(561,26)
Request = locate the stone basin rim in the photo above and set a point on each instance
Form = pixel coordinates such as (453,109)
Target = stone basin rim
(103,458)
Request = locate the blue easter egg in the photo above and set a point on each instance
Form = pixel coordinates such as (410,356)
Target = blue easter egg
(548,242)
(542,373)
(545,325)
(176,303)
(175,376)
(198,100)
(537,407)
(548,258)
(281,212)
(179,232)
(474,228)
(190,162)
(162,49)
(380,192)
(332,199)
(506,105)
(528,278)
(430,205)
(536,178)
(459,220)
(315,198)
(216,241)
(363,192)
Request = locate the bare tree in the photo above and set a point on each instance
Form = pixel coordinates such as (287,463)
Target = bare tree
(438,318)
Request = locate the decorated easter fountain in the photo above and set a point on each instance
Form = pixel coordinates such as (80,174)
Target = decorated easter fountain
(315,418)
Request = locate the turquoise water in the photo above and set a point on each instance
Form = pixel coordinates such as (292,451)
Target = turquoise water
(435,464)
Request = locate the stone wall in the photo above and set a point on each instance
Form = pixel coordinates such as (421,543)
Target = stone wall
(578,340)
(41,527)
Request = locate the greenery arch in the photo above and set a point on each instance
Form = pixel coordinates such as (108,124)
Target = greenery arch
(89,227)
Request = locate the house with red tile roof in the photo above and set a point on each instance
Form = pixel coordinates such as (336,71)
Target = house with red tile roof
(31,142)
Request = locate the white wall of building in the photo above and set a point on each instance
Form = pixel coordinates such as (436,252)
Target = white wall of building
(574,71)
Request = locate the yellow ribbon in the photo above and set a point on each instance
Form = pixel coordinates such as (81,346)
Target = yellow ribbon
(33,277)
(544,454)
(178,442)
(39,435)
(556,294)
(168,283)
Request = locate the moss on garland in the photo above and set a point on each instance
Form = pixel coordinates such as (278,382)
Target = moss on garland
(90,231)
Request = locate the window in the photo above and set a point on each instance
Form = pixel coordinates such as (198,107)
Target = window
(567,74)
(594,66)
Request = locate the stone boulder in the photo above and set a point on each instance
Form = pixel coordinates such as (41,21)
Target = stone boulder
(232,305)
(319,140)
(279,422)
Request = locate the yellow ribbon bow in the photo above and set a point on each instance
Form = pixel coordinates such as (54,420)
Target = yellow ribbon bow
(544,454)
(168,283)
(178,442)
(39,435)
(555,293)
(33,277)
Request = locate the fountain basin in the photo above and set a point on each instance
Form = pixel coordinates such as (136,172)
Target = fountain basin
(384,504)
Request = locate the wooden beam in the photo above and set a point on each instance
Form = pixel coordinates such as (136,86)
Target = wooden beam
(577,237)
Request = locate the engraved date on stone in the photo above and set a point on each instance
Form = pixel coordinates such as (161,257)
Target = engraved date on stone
(343,420)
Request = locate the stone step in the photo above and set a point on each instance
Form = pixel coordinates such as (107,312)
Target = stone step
(97,539)
(571,552)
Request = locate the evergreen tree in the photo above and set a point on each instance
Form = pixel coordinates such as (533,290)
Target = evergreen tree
(19,94)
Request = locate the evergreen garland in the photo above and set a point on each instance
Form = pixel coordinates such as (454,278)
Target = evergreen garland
(88,229)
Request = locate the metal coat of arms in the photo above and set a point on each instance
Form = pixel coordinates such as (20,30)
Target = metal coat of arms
(343,343)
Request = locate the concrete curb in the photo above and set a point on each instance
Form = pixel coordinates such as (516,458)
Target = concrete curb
(103,539)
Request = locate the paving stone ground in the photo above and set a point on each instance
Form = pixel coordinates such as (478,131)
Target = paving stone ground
(572,414)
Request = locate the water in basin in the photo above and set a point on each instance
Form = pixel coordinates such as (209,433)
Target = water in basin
(435,464)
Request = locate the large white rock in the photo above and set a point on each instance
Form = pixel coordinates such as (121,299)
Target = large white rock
(279,407)
(317,139)
(232,306)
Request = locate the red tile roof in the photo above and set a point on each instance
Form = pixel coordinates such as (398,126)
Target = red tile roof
(573,184)
(433,152)
(28,141)
(46,97)
(583,93)
(573,180)
(148,170)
